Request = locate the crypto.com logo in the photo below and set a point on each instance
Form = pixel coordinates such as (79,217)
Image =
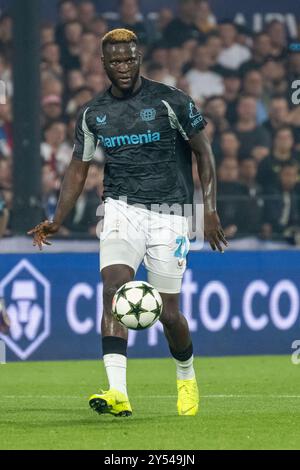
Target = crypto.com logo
(27,295)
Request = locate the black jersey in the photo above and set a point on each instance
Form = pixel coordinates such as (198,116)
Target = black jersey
(145,141)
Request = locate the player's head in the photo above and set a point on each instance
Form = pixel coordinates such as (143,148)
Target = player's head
(121,58)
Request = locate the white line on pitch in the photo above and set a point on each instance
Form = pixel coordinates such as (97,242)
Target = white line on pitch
(77,397)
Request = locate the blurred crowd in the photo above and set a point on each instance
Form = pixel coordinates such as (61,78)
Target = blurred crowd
(241,81)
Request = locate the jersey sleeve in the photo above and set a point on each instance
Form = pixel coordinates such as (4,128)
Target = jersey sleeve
(184,115)
(85,141)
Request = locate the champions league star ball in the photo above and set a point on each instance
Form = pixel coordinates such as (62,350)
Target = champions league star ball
(137,305)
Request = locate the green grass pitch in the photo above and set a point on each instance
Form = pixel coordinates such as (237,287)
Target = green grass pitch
(247,403)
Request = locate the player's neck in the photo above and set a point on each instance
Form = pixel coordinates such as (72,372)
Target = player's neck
(117,93)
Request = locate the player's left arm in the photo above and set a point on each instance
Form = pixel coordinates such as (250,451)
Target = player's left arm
(190,123)
(213,231)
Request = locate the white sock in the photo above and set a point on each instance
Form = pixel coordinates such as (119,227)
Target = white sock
(115,365)
(185,369)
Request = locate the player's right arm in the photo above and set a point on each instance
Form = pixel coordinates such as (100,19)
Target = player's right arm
(73,183)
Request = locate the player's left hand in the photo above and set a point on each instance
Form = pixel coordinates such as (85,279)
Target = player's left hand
(213,231)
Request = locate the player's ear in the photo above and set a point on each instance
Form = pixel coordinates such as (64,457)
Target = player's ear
(140,58)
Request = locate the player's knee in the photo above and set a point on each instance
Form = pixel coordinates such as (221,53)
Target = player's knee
(170,314)
(111,287)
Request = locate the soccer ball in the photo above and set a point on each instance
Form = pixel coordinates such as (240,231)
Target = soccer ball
(137,305)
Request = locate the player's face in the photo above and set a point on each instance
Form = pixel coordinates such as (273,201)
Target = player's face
(122,64)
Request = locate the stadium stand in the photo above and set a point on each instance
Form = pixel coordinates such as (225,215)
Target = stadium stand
(240,80)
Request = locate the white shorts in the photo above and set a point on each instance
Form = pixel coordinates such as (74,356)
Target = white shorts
(132,235)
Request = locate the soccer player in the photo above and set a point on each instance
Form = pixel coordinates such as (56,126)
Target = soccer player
(147,131)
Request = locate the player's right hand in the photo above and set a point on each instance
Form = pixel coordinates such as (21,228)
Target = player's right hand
(42,231)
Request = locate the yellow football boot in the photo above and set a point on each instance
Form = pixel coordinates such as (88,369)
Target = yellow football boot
(112,402)
(188,397)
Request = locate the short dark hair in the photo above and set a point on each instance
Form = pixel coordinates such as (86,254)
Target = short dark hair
(51,124)
(61,2)
(290,164)
(285,127)
(213,98)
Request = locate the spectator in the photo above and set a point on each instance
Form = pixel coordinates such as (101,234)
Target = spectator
(233,54)
(51,59)
(83,218)
(80,98)
(165,16)
(175,62)
(203,82)
(183,85)
(204,20)
(278,114)
(214,45)
(283,151)
(5,194)
(229,146)
(254,201)
(51,85)
(215,109)
(6,75)
(159,54)
(51,108)
(50,188)
(231,196)
(86,13)
(67,11)
(47,34)
(183,27)
(293,64)
(274,76)
(255,140)
(53,148)
(244,36)
(262,49)
(70,51)
(89,44)
(4,216)
(131,18)
(282,214)
(253,85)
(99,27)
(160,74)
(75,81)
(96,83)
(6,139)
(277,33)
(6,36)
(232,85)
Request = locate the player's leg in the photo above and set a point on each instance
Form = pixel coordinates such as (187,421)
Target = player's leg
(165,261)
(175,325)
(177,332)
(114,346)
(114,335)
(121,250)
